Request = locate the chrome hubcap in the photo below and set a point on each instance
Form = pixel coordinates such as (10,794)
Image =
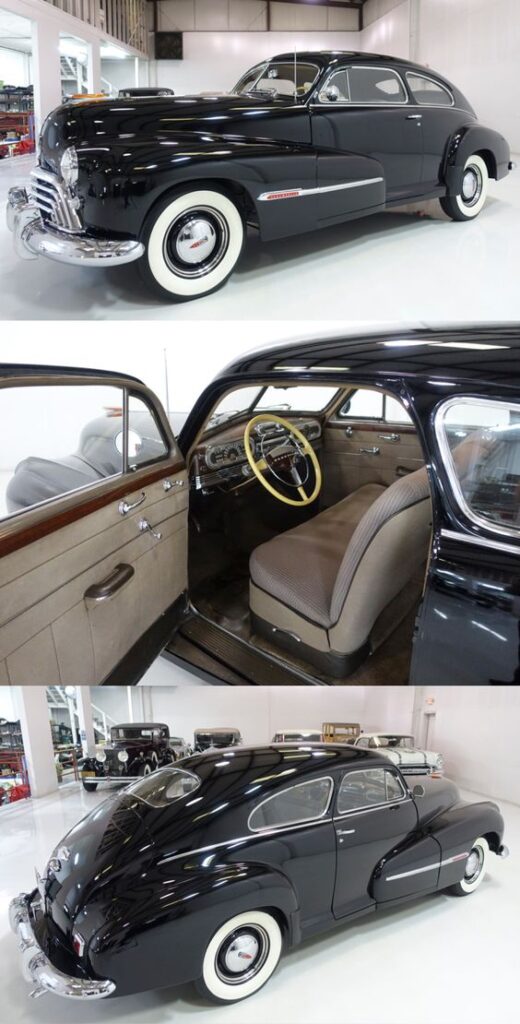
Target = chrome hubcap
(242,955)
(473,865)
(196,241)
(472,186)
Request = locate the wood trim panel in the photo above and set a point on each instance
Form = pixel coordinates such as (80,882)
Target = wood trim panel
(28,527)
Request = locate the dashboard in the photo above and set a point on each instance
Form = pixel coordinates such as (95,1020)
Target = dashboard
(223,460)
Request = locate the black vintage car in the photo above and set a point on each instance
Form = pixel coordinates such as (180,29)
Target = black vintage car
(303,141)
(353,516)
(214,739)
(236,856)
(135,750)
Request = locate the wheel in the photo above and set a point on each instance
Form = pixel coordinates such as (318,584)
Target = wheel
(144,769)
(192,243)
(475,182)
(474,870)
(90,786)
(240,957)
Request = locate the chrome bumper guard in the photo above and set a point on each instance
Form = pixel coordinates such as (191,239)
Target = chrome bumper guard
(33,238)
(36,966)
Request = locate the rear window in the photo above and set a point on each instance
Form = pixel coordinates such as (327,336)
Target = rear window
(165,786)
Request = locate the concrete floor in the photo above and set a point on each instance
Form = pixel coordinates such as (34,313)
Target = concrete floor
(440,958)
(391,266)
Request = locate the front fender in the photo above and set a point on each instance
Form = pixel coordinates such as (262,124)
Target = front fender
(119,186)
(474,138)
(158,935)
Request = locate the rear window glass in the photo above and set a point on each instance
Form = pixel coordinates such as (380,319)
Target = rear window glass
(305,802)
(480,441)
(164,786)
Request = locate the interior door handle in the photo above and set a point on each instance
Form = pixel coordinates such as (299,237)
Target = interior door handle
(414,117)
(105,589)
(145,527)
(125,507)
(369,451)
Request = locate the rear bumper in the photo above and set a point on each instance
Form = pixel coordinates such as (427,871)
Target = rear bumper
(36,966)
(33,238)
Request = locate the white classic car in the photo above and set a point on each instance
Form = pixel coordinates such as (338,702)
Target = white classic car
(401,749)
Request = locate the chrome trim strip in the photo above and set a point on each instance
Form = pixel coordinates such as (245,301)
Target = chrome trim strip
(429,867)
(239,840)
(449,464)
(297,193)
(483,542)
(280,792)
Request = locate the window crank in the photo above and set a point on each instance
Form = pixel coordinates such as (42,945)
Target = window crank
(144,527)
(369,451)
(125,507)
(168,485)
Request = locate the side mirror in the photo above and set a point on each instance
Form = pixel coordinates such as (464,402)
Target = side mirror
(330,94)
(418,791)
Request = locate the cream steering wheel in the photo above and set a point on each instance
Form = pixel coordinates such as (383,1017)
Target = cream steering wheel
(287,458)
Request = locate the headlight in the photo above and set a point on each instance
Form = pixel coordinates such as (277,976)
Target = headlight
(440,762)
(101,756)
(69,167)
(123,756)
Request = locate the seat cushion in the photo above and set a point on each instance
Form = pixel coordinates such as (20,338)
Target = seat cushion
(300,567)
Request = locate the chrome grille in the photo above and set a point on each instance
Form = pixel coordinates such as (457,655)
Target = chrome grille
(56,204)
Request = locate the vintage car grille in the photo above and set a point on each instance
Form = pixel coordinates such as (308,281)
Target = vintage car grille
(54,201)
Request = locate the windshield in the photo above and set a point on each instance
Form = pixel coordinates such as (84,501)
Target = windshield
(280,398)
(130,734)
(292,79)
(164,786)
(395,741)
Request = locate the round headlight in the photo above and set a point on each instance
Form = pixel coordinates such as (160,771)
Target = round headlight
(69,166)
(101,756)
(123,756)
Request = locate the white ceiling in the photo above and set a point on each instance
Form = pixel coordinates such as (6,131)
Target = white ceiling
(15,32)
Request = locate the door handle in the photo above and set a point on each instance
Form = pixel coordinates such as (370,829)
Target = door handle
(414,117)
(369,451)
(145,527)
(394,438)
(345,831)
(105,589)
(125,507)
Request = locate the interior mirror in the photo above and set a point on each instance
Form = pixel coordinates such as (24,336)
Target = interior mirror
(418,791)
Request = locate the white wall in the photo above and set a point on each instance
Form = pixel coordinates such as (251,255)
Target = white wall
(388,32)
(8,704)
(15,67)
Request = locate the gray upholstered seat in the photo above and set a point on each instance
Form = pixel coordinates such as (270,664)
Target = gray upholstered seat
(322,585)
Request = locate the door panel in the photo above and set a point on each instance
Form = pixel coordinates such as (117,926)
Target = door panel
(346,466)
(50,629)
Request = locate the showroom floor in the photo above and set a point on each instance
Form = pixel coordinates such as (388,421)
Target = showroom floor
(398,966)
(469,265)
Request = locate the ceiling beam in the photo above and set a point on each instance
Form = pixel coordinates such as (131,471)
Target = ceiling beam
(352,5)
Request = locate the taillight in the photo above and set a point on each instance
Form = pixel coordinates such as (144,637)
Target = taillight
(78,943)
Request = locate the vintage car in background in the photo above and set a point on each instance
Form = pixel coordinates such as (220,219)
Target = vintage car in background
(234,856)
(135,750)
(214,739)
(303,141)
(179,747)
(402,751)
(297,736)
(144,92)
(329,507)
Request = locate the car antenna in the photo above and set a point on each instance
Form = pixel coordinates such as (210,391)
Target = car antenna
(295,82)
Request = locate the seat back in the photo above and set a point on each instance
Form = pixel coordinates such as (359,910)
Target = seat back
(387,548)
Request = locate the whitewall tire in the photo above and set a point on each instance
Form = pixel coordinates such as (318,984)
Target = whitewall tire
(192,241)
(474,869)
(472,197)
(240,957)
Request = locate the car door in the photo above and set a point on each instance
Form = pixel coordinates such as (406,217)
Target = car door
(93,527)
(369,439)
(373,814)
(439,118)
(365,112)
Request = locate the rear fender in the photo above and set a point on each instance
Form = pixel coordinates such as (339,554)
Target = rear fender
(474,138)
(456,830)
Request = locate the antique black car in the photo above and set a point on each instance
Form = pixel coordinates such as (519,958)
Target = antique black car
(136,749)
(303,141)
(334,510)
(214,739)
(234,856)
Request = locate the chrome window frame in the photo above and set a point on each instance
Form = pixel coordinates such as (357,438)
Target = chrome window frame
(434,81)
(449,465)
(297,821)
(371,807)
(355,103)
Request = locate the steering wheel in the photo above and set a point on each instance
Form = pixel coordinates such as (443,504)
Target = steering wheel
(287,461)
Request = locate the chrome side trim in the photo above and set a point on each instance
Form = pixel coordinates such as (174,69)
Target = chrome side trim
(429,867)
(38,969)
(483,542)
(239,840)
(297,193)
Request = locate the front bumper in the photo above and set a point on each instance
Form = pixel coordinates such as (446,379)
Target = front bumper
(38,969)
(33,237)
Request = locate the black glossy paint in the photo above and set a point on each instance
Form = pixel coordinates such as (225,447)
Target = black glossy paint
(147,887)
(133,151)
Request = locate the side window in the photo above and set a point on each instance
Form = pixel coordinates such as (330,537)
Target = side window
(368,788)
(426,91)
(480,443)
(307,801)
(58,439)
(375,85)
(367,404)
(335,89)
